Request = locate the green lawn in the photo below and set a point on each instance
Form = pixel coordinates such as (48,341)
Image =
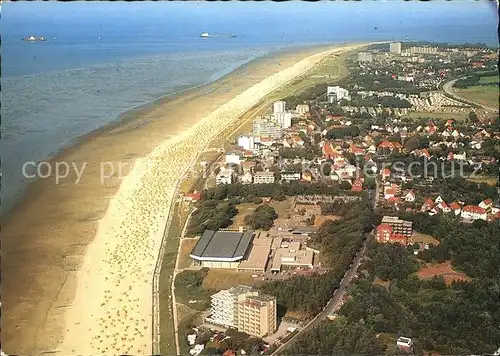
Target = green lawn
(438,115)
(486,95)
(487,80)
(167,336)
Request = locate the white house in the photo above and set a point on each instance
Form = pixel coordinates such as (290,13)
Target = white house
(438,200)
(473,212)
(486,204)
(233,158)
(410,197)
(459,156)
(404,343)
(225,176)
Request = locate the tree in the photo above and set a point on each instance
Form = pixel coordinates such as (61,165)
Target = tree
(257,200)
(473,117)
(345,185)
(262,218)
(412,143)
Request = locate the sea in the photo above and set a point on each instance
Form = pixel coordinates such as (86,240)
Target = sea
(101,59)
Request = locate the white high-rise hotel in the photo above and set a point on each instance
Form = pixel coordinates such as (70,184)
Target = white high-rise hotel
(243,308)
(279,106)
(282,117)
(395,47)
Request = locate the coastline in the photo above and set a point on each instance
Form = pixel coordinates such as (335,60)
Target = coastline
(69,210)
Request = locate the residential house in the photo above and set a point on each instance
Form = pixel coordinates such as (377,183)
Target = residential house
(459,156)
(486,204)
(473,212)
(410,197)
(405,344)
(425,153)
(438,200)
(385,147)
(443,207)
(193,197)
(385,173)
(456,208)
(357,185)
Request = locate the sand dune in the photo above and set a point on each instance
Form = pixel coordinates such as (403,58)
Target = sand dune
(111,311)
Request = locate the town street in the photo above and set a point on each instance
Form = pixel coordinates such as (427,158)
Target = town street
(334,302)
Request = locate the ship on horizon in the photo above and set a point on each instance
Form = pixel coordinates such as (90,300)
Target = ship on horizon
(34,38)
(207,35)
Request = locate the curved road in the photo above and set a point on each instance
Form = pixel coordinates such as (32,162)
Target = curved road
(333,303)
(448,89)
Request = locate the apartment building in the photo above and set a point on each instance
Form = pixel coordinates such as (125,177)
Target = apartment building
(266,127)
(284,119)
(257,315)
(243,308)
(263,177)
(246,142)
(365,57)
(279,106)
(423,50)
(395,47)
(336,93)
(225,176)
(301,109)
(399,227)
(224,305)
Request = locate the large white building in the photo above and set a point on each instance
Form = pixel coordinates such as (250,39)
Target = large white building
(233,158)
(266,127)
(365,57)
(302,109)
(473,212)
(264,177)
(224,305)
(423,50)
(279,106)
(243,308)
(225,176)
(246,142)
(395,47)
(336,93)
(284,119)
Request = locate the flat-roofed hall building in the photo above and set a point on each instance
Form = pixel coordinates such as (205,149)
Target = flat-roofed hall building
(242,307)
(221,249)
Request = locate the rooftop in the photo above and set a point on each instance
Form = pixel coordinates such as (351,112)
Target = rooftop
(222,245)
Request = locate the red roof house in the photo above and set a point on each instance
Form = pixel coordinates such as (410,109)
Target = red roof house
(357,185)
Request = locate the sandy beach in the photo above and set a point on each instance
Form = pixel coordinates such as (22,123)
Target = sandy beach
(78,259)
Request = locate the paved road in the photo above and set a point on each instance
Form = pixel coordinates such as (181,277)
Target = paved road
(333,303)
(448,89)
